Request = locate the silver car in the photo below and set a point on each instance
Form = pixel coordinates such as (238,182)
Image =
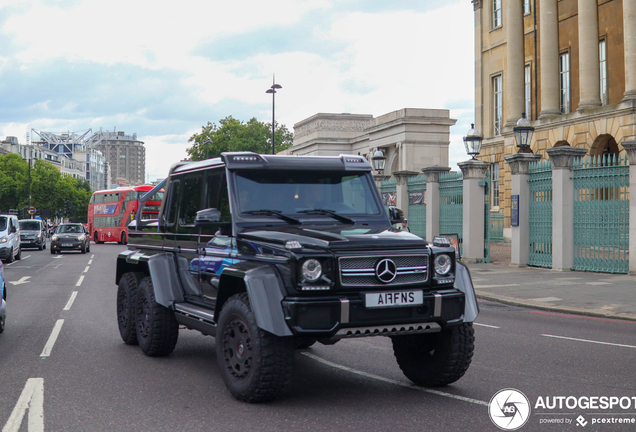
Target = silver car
(32,233)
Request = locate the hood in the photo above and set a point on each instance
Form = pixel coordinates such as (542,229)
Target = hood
(336,237)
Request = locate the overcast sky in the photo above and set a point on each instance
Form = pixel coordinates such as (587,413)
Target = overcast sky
(164,69)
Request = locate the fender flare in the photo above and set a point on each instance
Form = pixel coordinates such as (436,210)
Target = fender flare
(464,283)
(162,271)
(265,290)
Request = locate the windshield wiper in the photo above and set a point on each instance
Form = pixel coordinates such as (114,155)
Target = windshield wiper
(276,213)
(331,213)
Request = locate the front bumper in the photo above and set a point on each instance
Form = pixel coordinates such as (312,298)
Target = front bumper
(339,316)
(31,242)
(67,245)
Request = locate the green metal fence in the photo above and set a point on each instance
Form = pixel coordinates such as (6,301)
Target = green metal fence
(540,213)
(417,205)
(388,192)
(497,227)
(451,205)
(601,214)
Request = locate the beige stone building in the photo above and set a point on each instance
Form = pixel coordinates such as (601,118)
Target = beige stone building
(570,65)
(410,138)
(125,155)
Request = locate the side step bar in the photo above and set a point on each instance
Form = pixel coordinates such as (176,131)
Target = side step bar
(195,317)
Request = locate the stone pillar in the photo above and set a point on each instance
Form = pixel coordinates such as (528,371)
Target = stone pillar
(549,59)
(519,168)
(563,205)
(589,70)
(629,38)
(473,215)
(402,190)
(516,59)
(630,148)
(432,200)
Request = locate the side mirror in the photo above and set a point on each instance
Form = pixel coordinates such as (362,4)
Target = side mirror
(207,217)
(396,215)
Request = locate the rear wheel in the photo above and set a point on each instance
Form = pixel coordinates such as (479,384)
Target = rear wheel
(156,327)
(255,365)
(126,300)
(435,359)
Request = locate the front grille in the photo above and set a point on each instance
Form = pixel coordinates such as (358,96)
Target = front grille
(359,271)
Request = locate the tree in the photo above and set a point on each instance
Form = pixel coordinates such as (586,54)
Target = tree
(235,135)
(13,182)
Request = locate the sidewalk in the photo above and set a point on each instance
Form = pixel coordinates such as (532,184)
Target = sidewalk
(585,293)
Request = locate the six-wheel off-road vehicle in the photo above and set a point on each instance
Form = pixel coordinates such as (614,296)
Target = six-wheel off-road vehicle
(273,253)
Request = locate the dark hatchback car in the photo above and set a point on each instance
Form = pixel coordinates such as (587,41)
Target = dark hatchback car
(70,236)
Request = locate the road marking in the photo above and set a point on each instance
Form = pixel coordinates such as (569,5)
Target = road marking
(54,334)
(23,280)
(580,317)
(485,325)
(79,282)
(390,381)
(590,341)
(25,257)
(70,301)
(93,256)
(86,269)
(57,256)
(496,286)
(32,399)
(90,262)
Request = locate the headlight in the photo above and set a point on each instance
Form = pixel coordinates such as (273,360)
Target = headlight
(54,238)
(311,270)
(3,240)
(81,238)
(442,264)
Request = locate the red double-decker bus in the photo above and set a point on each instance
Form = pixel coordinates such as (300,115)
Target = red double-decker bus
(110,211)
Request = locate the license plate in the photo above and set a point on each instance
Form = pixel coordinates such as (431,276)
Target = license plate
(393,298)
(66,245)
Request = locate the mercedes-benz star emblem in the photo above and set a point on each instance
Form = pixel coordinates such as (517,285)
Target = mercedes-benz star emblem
(385,270)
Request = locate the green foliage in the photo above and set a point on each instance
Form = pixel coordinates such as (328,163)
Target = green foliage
(235,135)
(49,189)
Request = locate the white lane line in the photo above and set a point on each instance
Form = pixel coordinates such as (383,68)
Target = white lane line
(86,269)
(485,325)
(589,341)
(54,334)
(25,257)
(31,399)
(390,381)
(90,262)
(70,301)
(93,256)
(79,282)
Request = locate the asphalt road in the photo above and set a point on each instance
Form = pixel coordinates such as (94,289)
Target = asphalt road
(86,379)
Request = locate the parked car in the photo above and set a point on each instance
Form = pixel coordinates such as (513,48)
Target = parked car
(70,236)
(32,233)
(3,299)
(9,238)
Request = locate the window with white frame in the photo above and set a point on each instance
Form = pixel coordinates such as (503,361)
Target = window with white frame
(602,54)
(496,13)
(497,115)
(494,177)
(564,82)
(528,92)
(526,7)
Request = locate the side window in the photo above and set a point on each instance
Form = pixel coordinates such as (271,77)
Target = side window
(174,202)
(217,196)
(191,201)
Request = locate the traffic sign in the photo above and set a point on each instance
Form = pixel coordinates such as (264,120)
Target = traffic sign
(31,210)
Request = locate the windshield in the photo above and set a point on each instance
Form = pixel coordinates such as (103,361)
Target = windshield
(3,223)
(29,225)
(157,196)
(70,229)
(292,192)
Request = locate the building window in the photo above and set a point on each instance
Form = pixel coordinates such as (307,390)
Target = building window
(528,92)
(496,13)
(494,177)
(602,54)
(564,82)
(497,115)
(526,7)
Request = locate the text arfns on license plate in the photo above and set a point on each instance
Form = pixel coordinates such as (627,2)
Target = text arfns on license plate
(393,298)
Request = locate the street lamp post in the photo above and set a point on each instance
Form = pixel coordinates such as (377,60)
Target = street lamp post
(472,141)
(523,134)
(272,90)
(378,160)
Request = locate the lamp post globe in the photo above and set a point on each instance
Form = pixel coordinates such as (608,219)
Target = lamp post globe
(378,160)
(472,141)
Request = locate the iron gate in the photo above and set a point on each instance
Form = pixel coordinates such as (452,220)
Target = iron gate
(601,214)
(540,213)
(388,192)
(417,205)
(451,205)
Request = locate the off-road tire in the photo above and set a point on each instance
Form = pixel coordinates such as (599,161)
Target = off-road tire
(435,359)
(126,302)
(255,365)
(156,327)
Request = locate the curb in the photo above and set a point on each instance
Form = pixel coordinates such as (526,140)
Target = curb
(483,295)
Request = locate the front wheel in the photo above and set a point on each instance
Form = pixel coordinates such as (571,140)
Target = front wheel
(255,365)
(19,255)
(435,359)
(123,238)
(126,300)
(156,327)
